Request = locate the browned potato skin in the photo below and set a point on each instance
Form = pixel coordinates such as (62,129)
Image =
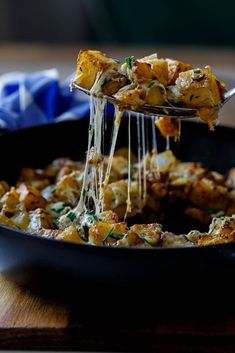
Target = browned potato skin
(175,67)
(30,197)
(154,96)
(168,127)
(131,97)
(147,70)
(203,93)
(123,152)
(4,187)
(9,201)
(39,219)
(54,168)
(113,84)
(99,230)
(68,188)
(222,230)
(70,234)
(89,64)
(150,232)
(206,194)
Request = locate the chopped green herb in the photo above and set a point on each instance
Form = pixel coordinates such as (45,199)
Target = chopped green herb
(71,215)
(107,235)
(52,188)
(117,235)
(151,84)
(145,240)
(129,61)
(92,218)
(117,61)
(103,82)
(198,75)
(58,207)
(55,222)
(112,235)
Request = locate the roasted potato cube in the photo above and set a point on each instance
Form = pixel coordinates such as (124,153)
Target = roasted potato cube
(168,127)
(30,197)
(70,234)
(90,63)
(68,188)
(175,67)
(169,240)
(199,89)
(9,201)
(222,230)
(150,234)
(20,219)
(206,194)
(115,198)
(39,219)
(150,68)
(108,217)
(123,152)
(112,83)
(107,233)
(54,168)
(163,162)
(131,96)
(4,187)
(154,95)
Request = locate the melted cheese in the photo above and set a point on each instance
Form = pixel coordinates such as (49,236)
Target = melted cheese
(128,201)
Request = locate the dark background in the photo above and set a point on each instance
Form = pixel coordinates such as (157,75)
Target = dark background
(204,23)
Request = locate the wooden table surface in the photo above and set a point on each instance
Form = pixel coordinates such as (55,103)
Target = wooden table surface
(29,320)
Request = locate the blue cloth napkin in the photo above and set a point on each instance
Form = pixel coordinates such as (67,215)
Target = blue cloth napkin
(29,99)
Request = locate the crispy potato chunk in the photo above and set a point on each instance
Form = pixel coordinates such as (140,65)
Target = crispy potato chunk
(154,95)
(20,219)
(30,197)
(150,68)
(9,201)
(222,230)
(90,63)
(39,219)
(175,67)
(69,234)
(108,217)
(115,198)
(150,234)
(123,152)
(199,89)
(131,96)
(54,168)
(112,83)
(4,187)
(169,240)
(168,127)
(207,195)
(106,233)
(163,162)
(68,188)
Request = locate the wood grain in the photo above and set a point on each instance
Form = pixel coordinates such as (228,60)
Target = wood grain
(31,321)
(21,308)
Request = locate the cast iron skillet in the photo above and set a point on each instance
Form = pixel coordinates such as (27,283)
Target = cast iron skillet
(23,256)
